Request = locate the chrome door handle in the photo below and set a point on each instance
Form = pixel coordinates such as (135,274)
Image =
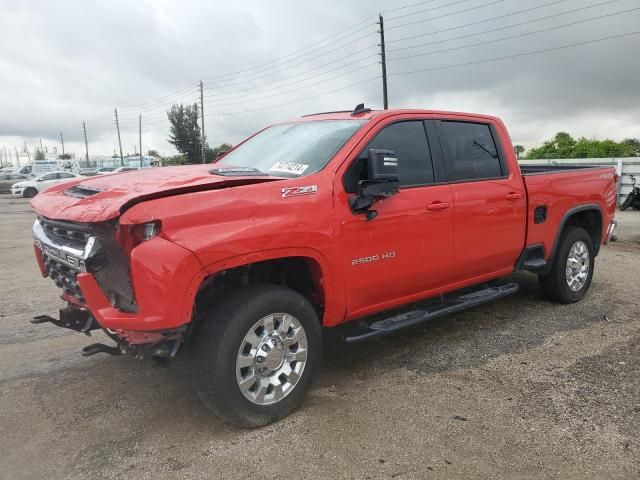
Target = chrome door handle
(513,196)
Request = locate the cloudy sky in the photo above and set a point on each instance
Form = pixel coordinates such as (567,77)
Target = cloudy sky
(67,61)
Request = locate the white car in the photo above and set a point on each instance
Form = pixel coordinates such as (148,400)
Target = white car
(30,188)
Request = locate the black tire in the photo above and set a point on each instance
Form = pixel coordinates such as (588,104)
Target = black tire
(30,192)
(554,285)
(627,202)
(218,343)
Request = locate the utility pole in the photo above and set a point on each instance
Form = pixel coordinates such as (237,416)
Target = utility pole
(383,57)
(41,147)
(27,150)
(62,141)
(86,144)
(140,136)
(119,141)
(17,157)
(202,119)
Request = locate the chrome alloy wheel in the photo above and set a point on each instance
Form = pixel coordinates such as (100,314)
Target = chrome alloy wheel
(577,266)
(271,358)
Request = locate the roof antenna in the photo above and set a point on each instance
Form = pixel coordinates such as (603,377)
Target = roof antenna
(360,109)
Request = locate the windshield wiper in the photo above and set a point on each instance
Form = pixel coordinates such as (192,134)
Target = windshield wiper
(233,171)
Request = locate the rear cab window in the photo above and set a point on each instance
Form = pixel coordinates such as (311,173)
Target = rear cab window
(470,150)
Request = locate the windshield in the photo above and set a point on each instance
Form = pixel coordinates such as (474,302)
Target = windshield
(290,149)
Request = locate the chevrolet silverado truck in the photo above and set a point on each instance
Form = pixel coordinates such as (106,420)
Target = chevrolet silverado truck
(328,220)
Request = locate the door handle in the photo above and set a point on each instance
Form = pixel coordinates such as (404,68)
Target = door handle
(437,206)
(513,196)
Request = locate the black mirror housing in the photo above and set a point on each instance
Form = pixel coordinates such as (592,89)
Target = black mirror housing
(382,166)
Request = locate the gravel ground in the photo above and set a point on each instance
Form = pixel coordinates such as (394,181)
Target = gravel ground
(521,388)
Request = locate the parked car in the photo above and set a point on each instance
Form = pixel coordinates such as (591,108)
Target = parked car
(8,179)
(125,169)
(104,170)
(315,223)
(88,172)
(30,188)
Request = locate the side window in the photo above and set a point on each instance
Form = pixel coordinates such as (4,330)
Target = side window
(409,141)
(49,176)
(65,175)
(471,153)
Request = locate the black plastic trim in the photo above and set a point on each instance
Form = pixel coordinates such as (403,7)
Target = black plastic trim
(565,218)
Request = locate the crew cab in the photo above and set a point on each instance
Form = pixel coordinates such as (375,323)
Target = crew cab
(325,221)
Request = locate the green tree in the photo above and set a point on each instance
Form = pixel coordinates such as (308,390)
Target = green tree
(211,154)
(565,146)
(39,155)
(519,149)
(153,153)
(184,132)
(64,156)
(634,144)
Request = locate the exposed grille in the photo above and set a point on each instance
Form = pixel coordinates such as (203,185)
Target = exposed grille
(64,277)
(113,278)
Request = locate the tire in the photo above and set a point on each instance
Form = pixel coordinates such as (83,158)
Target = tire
(225,337)
(30,192)
(627,202)
(556,284)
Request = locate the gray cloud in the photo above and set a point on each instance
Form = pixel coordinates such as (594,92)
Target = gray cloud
(64,62)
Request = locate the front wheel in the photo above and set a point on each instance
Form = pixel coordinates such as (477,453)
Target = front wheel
(255,355)
(571,269)
(30,192)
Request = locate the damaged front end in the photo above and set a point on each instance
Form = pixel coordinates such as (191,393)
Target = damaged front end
(66,252)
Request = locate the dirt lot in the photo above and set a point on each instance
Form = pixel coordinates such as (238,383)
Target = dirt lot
(518,389)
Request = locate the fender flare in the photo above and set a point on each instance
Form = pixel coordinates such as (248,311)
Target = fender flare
(568,214)
(334,298)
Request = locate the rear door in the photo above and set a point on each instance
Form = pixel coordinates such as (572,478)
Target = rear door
(489,200)
(407,248)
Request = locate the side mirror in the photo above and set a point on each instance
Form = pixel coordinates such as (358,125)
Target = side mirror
(382,182)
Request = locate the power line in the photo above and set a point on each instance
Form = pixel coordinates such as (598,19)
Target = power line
(301,49)
(377,77)
(524,54)
(307,60)
(283,92)
(408,6)
(445,15)
(556,27)
(502,28)
(428,9)
(434,32)
(261,90)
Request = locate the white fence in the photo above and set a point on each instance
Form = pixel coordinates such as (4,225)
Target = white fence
(624,166)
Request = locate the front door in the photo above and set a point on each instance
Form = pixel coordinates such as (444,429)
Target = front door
(407,248)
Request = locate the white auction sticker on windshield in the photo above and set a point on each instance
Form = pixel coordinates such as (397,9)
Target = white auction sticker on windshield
(289,167)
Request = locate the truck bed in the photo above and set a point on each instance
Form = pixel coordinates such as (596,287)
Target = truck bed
(561,189)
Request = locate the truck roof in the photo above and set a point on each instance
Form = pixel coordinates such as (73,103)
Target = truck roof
(370,114)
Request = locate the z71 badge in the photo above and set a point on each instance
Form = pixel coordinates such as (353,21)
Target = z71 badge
(295,191)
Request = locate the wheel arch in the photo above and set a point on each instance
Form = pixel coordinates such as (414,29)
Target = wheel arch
(587,216)
(302,269)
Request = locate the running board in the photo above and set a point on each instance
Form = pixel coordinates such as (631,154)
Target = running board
(409,319)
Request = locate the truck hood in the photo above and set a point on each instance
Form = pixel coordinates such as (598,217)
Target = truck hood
(100,198)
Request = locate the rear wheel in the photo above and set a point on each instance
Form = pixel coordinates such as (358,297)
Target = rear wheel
(30,192)
(572,267)
(255,355)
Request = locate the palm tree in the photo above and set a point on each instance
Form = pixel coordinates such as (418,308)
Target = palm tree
(519,149)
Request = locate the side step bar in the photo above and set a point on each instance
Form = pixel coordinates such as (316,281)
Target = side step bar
(409,319)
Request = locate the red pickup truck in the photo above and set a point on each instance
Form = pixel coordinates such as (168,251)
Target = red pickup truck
(318,222)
